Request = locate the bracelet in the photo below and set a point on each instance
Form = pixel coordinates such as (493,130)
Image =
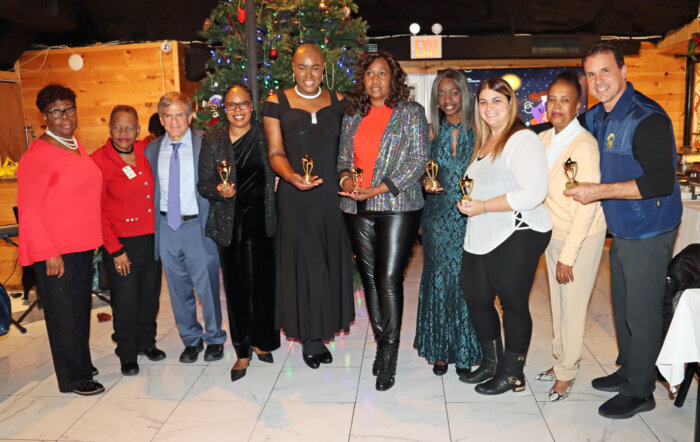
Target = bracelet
(484,206)
(346,177)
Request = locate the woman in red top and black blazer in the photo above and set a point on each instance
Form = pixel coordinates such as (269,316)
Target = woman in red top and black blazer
(58,196)
(127,228)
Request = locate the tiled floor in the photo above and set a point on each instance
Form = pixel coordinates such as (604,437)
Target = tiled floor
(286,401)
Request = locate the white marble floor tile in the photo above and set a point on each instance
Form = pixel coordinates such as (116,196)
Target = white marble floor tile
(670,423)
(327,384)
(579,420)
(215,384)
(210,421)
(26,367)
(12,342)
(113,419)
(303,422)
(412,385)
(45,418)
(165,382)
(604,349)
(424,421)
(503,421)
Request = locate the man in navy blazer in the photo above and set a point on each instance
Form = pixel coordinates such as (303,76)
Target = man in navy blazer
(190,259)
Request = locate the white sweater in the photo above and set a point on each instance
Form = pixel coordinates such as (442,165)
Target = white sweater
(522,174)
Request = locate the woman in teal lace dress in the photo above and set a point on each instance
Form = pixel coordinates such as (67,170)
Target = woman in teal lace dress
(444,333)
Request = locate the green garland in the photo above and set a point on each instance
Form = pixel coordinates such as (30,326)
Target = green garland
(693,43)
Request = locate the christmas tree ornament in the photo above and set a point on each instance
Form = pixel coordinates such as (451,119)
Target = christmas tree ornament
(273,54)
(323,6)
(346,11)
(207,24)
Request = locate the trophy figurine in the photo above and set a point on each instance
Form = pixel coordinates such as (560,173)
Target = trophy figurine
(570,170)
(466,185)
(357,176)
(431,170)
(307,164)
(225,173)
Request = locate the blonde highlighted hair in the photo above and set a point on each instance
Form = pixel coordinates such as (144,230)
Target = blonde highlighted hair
(514,123)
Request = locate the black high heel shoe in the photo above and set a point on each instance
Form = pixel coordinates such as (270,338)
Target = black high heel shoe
(439,369)
(237,374)
(266,357)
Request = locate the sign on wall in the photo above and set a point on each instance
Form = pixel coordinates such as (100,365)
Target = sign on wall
(426,46)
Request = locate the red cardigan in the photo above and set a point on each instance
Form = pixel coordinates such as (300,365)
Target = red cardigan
(127,203)
(58,197)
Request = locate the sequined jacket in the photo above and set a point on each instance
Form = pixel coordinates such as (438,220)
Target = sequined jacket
(216,146)
(403,155)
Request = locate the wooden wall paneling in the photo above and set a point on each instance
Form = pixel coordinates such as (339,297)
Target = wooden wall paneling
(134,74)
(13,142)
(10,270)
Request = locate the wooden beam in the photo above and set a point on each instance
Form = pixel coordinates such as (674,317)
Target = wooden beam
(432,66)
(9,77)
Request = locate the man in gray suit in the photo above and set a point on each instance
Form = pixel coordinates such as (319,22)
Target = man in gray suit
(190,259)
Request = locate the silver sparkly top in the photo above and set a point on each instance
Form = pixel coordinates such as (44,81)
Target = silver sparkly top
(403,155)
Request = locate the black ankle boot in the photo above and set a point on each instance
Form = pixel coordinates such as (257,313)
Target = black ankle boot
(377,364)
(509,377)
(387,371)
(493,352)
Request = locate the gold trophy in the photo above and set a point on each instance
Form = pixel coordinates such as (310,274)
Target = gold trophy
(431,170)
(225,173)
(307,164)
(357,177)
(570,170)
(466,185)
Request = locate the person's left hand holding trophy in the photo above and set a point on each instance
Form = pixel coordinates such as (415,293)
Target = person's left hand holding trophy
(226,189)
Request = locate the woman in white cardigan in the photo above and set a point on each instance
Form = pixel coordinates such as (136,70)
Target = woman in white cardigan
(507,232)
(573,255)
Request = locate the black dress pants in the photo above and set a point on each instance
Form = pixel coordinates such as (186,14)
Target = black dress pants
(382,244)
(637,282)
(248,269)
(507,271)
(135,297)
(67,302)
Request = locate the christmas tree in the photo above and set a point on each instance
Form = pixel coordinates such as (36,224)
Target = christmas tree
(282,25)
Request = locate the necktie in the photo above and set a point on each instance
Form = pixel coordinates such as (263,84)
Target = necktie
(174,214)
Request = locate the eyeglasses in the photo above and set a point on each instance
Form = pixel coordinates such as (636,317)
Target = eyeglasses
(59,113)
(242,105)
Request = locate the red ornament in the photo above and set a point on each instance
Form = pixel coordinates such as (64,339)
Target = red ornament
(273,54)
(697,39)
(212,122)
(241,15)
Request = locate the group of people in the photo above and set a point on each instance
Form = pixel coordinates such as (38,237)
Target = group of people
(282,206)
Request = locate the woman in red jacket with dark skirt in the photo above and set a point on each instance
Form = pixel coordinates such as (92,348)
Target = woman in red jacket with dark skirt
(127,229)
(58,196)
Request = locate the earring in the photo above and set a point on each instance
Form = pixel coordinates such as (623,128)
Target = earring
(294,78)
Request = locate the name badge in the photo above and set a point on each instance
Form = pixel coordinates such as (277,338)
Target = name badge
(129,172)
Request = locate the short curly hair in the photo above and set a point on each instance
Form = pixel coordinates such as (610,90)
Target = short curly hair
(358,100)
(51,93)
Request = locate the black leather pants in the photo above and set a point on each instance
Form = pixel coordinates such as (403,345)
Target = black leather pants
(382,243)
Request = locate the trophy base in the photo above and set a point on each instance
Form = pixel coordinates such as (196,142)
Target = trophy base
(308,179)
(434,185)
(464,200)
(571,185)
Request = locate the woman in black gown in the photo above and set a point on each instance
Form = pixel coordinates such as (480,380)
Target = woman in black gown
(314,258)
(242,222)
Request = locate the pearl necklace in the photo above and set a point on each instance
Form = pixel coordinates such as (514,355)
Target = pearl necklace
(308,97)
(70,143)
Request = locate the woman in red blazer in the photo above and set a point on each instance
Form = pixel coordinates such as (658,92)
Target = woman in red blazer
(127,229)
(58,196)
